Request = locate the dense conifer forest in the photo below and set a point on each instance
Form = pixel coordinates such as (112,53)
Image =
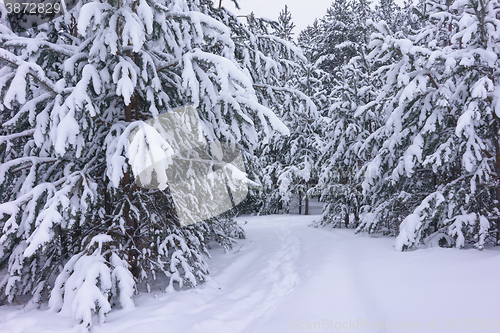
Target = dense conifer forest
(388,115)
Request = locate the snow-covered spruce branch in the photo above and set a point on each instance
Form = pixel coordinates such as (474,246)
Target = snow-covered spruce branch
(267,59)
(9,137)
(27,166)
(18,42)
(287,90)
(297,52)
(169,65)
(198,18)
(42,187)
(33,70)
(24,160)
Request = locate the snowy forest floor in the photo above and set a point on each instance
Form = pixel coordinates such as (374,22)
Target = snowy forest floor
(288,277)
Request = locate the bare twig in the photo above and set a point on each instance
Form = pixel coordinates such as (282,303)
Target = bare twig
(239,249)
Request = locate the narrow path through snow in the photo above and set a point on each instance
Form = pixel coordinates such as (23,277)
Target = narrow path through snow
(288,277)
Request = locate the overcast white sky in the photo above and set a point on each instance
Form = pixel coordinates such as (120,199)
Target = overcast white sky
(303,11)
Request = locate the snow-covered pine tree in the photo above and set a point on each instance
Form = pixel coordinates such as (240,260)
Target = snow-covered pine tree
(351,119)
(296,154)
(412,16)
(285,25)
(285,160)
(389,12)
(337,163)
(434,176)
(333,44)
(306,39)
(388,197)
(75,226)
(469,154)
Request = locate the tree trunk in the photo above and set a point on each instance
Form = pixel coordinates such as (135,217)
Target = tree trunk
(356,217)
(497,171)
(132,225)
(497,189)
(306,210)
(300,202)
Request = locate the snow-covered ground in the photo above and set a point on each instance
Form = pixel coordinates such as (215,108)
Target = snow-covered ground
(288,277)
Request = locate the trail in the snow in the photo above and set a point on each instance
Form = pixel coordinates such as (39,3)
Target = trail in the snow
(289,277)
(271,283)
